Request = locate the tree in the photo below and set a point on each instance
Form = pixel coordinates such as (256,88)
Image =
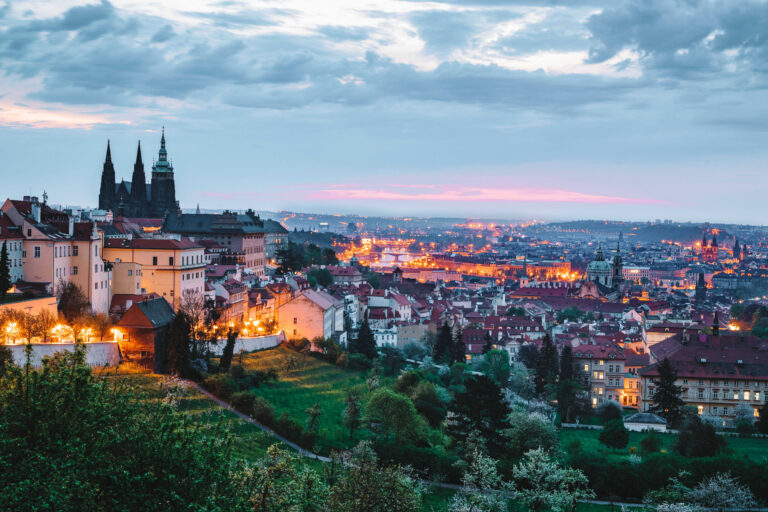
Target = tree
(72,302)
(479,407)
(546,366)
(101,324)
(5,271)
(373,279)
(428,402)
(229,348)
(177,345)
(320,276)
(313,413)
(89,436)
(483,488)
(488,345)
(528,355)
(458,349)
(650,443)
(392,360)
(570,314)
(614,434)
(608,411)
(193,304)
(666,397)
(530,431)
(495,365)
(567,386)
(762,421)
(444,344)
(723,491)
(393,414)
(368,486)
(698,439)
(351,417)
(365,343)
(329,257)
(543,484)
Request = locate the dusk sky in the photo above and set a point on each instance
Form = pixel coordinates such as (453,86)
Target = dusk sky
(539,109)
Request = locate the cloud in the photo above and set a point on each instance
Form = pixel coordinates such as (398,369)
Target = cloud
(474,194)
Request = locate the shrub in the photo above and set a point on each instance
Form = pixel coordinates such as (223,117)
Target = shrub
(745,428)
(608,411)
(698,439)
(358,363)
(651,443)
(221,384)
(243,401)
(262,411)
(406,382)
(289,428)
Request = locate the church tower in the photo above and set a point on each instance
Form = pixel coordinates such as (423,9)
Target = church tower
(701,289)
(163,188)
(618,268)
(107,190)
(138,187)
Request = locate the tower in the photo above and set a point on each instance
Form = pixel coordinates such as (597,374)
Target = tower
(618,268)
(716,325)
(737,250)
(107,190)
(701,288)
(163,185)
(138,199)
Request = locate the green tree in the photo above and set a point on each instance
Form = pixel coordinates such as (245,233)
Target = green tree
(567,385)
(71,441)
(570,314)
(177,341)
(329,257)
(488,345)
(546,366)
(528,355)
(443,345)
(229,348)
(530,431)
(762,421)
(428,402)
(479,407)
(495,365)
(5,271)
(351,416)
(666,395)
(368,486)
(313,413)
(365,343)
(614,434)
(393,414)
(458,349)
(320,276)
(698,439)
(373,279)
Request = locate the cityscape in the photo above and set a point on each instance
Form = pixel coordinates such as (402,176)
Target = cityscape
(377,304)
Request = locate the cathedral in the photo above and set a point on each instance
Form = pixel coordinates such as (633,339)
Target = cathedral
(137,198)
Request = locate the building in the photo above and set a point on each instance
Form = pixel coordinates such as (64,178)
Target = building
(276,236)
(709,249)
(312,314)
(57,249)
(600,369)
(599,270)
(643,421)
(169,267)
(141,333)
(137,198)
(717,373)
(11,237)
(242,236)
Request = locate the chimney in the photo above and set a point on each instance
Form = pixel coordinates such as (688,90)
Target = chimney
(71,227)
(35,210)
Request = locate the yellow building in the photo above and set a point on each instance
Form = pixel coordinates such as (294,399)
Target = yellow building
(168,267)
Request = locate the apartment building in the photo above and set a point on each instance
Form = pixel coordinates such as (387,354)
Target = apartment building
(600,369)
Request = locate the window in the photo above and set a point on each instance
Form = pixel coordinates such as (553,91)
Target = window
(130,272)
(74,271)
(154,260)
(96,267)
(74,251)
(736,394)
(715,395)
(714,410)
(170,261)
(701,393)
(700,409)
(601,362)
(757,395)
(37,251)
(295,320)
(95,250)
(586,367)
(746,395)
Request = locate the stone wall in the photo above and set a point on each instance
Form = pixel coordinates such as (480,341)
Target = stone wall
(250,344)
(104,353)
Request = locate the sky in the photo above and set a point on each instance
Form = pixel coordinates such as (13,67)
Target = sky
(538,109)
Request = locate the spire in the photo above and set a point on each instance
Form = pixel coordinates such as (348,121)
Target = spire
(138,156)
(599,254)
(163,156)
(162,139)
(197,210)
(716,325)
(108,159)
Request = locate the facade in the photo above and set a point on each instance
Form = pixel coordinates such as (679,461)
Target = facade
(716,373)
(709,249)
(600,369)
(276,236)
(11,236)
(311,314)
(241,236)
(56,250)
(137,198)
(168,267)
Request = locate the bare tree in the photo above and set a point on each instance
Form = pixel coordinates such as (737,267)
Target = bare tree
(101,323)
(193,304)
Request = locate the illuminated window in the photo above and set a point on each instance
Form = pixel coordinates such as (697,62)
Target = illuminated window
(586,367)
(736,394)
(601,362)
(746,395)
(701,409)
(757,395)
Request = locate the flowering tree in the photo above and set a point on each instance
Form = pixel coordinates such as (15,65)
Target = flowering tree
(723,491)
(543,484)
(484,490)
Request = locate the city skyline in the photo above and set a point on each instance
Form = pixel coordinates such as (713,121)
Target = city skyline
(464,108)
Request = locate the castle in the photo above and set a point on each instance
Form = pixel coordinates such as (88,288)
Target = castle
(137,198)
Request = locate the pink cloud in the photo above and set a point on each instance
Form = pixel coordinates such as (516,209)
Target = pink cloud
(461,193)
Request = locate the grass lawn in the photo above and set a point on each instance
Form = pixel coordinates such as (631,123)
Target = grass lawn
(753,448)
(314,381)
